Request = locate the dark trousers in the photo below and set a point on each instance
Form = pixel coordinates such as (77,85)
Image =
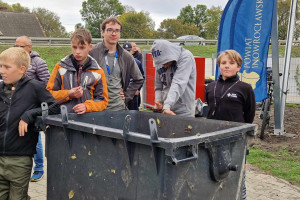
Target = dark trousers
(15,174)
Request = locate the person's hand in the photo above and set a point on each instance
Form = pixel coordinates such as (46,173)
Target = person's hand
(168,112)
(80,109)
(22,128)
(122,94)
(158,105)
(76,92)
(137,92)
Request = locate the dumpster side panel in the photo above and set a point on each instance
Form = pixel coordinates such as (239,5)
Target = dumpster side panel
(90,166)
(95,166)
(193,180)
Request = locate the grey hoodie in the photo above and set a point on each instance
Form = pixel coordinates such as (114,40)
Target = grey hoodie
(175,86)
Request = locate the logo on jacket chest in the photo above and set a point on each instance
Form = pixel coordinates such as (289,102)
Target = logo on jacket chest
(231,95)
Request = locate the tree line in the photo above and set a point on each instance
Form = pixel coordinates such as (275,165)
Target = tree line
(198,20)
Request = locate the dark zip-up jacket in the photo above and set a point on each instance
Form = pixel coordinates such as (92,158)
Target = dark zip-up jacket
(25,104)
(129,69)
(238,103)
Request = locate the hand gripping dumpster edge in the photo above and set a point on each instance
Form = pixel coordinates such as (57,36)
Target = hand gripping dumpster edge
(139,155)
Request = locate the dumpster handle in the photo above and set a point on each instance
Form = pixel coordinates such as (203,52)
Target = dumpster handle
(194,156)
(128,145)
(44,106)
(157,152)
(65,123)
(221,158)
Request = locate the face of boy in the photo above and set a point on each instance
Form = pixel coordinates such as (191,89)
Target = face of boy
(80,51)
(110,34)
(10,72)
(228,67)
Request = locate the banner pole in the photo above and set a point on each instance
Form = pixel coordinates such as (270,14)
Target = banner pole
(287,59)
(275,71)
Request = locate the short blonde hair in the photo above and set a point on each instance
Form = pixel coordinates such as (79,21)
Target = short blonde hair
(233,55)
(17,55)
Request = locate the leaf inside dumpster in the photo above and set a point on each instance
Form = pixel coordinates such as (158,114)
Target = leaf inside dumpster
(89,153)
(90,173)
(191,186)
(158,121)
(71,194)
(74,156)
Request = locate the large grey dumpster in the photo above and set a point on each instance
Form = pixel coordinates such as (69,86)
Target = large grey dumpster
(140,155)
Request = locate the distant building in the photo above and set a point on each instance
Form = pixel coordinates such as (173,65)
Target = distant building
(15,24)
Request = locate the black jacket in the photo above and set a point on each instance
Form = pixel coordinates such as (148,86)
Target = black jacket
(24,105)
(137,55)
(237,104)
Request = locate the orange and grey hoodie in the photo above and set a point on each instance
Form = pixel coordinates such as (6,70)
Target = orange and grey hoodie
(175,86)
(92,80)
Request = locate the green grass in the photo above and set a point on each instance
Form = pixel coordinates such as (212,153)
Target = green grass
(293,105)
(283,164)
(53,55)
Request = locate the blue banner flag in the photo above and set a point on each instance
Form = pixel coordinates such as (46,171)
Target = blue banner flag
(246,27)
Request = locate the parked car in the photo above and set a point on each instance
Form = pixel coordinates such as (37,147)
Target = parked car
(190,37)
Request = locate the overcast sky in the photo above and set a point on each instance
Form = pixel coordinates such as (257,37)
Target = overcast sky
(68,10)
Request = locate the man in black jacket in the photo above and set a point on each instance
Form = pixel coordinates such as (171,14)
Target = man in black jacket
(136,52)
(20,100)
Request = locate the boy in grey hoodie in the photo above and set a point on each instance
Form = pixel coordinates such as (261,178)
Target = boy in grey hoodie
(175,79)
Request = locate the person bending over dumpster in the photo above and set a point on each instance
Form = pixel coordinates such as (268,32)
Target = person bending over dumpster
(123,76)
(77,80)
(228,98)
(175,79)
(20,104)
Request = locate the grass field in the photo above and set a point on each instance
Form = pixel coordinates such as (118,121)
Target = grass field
(53,55)
(283,164)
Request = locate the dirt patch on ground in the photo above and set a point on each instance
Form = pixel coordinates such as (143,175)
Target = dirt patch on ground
(273,143)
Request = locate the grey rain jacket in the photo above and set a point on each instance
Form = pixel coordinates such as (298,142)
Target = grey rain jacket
(175,86)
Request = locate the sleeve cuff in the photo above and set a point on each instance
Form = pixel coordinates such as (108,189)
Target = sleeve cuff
(166,107)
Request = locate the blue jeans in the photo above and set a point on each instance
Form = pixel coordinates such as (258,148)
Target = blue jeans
(39,156)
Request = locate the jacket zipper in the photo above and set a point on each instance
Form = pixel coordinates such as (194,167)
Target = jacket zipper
(219,107)
(6,131)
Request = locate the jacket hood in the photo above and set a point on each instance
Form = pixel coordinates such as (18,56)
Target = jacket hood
(164,51)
